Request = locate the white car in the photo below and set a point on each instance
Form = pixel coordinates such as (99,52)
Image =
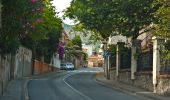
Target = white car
(67,66)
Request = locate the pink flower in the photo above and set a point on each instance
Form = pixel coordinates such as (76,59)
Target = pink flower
(38,9)
(33,10)
(39,20)
(32,26)
(34,1)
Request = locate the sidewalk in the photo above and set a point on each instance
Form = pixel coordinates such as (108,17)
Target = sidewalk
(14,90)
(17,89)
(128,88)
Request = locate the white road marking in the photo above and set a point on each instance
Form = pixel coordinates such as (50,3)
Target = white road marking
(88,98)
(85,71)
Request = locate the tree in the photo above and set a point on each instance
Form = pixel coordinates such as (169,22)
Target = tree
(127,17)
(162,28)
(93,15)
(77,41)
(136,15)
(18,18)
(52,28)
(32,23)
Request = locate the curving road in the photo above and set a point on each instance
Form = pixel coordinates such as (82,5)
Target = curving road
(74,85)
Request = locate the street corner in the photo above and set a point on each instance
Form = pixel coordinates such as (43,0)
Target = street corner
(99,78)
(99,74)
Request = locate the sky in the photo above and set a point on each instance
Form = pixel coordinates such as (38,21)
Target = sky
(60,6)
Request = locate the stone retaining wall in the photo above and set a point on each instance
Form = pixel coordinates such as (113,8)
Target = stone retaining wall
(125,76)
(113,74)
(144,80)
(163,86)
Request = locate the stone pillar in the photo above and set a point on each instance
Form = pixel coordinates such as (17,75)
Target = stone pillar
(156,59)
(135,47)
(117,61)
(133,62)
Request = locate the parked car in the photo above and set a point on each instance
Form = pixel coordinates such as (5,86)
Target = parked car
(84,66)
(67,66)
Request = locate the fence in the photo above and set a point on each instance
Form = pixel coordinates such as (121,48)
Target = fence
(112,61)
(165,63)
(145,61)
(125,59)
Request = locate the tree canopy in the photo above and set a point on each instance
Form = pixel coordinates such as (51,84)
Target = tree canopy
(31,23)
(162,28)
(127,17)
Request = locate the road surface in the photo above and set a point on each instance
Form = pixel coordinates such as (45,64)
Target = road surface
(74,85)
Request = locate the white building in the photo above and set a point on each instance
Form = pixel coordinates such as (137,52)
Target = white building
(88,49)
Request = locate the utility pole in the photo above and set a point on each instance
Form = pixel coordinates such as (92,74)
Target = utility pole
(106,64)
(108,67)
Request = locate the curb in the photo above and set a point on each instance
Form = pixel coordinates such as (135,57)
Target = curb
(44,74)
(111,85)
(131,92)
(26,94)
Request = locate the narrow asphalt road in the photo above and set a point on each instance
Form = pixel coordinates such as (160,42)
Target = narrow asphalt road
(74,85)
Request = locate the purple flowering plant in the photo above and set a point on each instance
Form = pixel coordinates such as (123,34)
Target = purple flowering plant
(61,50)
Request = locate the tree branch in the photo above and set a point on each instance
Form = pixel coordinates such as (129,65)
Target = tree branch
(146,30)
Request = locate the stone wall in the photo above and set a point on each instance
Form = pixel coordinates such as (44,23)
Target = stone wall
(14,66)
(22,62)
(4,71)
(56,61)
(113,74)
(125,76)
(144,80)
(163,86)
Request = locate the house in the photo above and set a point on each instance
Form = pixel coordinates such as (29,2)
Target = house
(95,60)
(87,49)
(147,70)
(64,36)
(55,60)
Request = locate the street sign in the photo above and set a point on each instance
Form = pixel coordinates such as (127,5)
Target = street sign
(106,53)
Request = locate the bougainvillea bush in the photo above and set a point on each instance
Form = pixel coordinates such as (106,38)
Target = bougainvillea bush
(61,50)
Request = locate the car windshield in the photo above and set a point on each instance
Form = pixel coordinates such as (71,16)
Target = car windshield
(69,64)
(63,64)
